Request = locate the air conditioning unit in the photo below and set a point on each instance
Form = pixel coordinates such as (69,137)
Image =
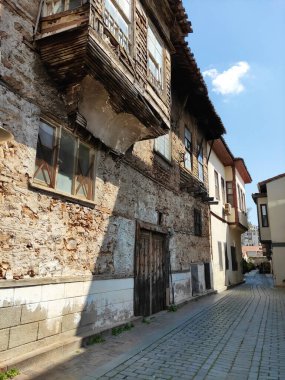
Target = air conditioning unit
(228,209)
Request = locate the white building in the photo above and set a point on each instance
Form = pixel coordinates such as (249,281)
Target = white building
(227,178)
(250,237)
(270,202)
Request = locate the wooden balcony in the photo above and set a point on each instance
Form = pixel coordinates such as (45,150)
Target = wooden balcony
(86,41)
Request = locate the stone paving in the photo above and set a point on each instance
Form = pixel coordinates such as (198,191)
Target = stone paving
(238,335)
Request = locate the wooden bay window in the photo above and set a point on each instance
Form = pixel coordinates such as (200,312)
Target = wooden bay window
(64,163)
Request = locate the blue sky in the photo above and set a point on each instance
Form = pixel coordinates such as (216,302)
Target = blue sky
(239,47)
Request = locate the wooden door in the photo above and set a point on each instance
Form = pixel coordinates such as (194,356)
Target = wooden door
(150,273)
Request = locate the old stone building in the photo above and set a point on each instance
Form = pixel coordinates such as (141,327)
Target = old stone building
(104,188)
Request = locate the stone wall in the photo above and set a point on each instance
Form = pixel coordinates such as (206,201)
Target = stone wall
(46,237)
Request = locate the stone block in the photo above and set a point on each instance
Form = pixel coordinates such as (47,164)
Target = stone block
(52,292)
(74,305)
(34,312)
(73,289)
(56,308)
(49,327)
(102,286)
(6,297)
(10,316)
(70,321)
(88,317)
(4,339)
(23,334)
(27,295)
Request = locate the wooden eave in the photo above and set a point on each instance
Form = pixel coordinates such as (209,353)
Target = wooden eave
(181,16)
(223,152)
(242,169)
(187,78)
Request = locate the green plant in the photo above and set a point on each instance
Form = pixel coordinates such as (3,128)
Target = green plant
(146,321)
(9,374)
(120,329)
(95,340)
(172,307)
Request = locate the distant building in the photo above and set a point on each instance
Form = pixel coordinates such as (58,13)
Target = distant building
(250,237)
(227,178)
(270,202)
(253,254)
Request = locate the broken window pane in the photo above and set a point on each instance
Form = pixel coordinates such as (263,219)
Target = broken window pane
(116,23)
(66,161)
(155,59)
(53,7)
(73,4)
(45,154)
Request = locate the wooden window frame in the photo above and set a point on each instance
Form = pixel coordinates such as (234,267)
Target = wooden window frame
(264,217)
(78,180)
(230,196)
(122,39)
(188,148)
(197,222)
(200,157)
(158,85)
(65,7)
(168,156)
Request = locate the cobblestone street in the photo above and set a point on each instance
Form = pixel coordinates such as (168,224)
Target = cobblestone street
(237,335)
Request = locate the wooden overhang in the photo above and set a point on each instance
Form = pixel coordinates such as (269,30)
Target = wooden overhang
(224,154)
(242,169)
(187,78)
(70,51)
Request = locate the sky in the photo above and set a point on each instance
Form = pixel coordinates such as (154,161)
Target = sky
(239,47)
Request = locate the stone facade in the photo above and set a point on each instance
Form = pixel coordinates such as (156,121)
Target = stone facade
(66,264)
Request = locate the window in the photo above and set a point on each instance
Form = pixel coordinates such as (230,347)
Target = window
(200,163)
(264,215)
(197,222)
(230,195)
(155,60)
(223,189)
(162,145)
(244,204)
(220,255)
(52,7)
(239,197)
(226,256)
(117,18)
(234,259)
(188,149)
(217,189)
(63,162)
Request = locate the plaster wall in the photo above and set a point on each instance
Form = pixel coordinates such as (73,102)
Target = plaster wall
(276,209)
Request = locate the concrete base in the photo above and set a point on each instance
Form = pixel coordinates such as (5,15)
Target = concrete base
(62,350)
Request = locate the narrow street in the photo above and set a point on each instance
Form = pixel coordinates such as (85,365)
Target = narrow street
(238,334)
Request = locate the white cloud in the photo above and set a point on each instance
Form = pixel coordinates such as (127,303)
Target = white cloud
(229,81)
